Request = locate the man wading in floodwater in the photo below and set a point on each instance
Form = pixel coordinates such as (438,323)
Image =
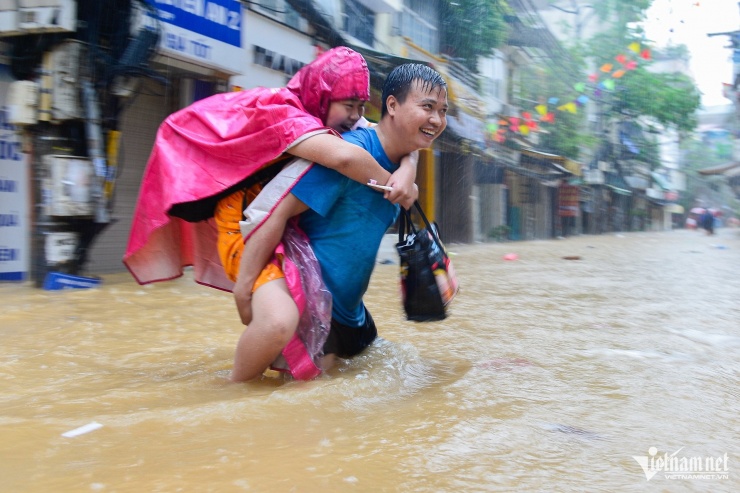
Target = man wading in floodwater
(345,223)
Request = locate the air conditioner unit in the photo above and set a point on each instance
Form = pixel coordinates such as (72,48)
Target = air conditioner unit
(67,185)
(66,66)
(47,16)
(23,102)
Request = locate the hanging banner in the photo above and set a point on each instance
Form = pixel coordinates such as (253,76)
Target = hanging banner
(14,210)
(568,201)
(203,32)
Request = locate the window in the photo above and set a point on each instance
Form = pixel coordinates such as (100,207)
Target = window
(281,11)
(359,21)
(419,19)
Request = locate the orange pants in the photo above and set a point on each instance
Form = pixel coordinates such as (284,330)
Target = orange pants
(229,211)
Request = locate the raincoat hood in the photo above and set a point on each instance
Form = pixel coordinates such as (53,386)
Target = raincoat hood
(339,73)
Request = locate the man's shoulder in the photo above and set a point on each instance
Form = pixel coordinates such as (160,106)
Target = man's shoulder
(360,136)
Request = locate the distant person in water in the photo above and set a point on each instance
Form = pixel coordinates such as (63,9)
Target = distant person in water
(707,221)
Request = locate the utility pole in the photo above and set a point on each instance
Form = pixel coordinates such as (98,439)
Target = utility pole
(734,94)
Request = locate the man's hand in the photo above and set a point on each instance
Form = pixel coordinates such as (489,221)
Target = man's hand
(405,191)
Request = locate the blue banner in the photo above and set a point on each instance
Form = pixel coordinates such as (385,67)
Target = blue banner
(14,210)
(219,20)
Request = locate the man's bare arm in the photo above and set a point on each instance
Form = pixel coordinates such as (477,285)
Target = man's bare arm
(258,251)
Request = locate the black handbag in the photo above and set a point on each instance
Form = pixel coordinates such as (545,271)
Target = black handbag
(428,280)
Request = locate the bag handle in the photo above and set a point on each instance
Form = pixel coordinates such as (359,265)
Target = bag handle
(405,224)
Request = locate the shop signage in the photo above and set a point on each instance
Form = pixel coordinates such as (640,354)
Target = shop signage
(207,33)
(276,61)
(14,231)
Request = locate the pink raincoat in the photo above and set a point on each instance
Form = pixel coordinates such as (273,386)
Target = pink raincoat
(209,150)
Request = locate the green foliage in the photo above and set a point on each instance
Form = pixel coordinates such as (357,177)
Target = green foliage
(668,100)
(671,99)
(500,233)
(621,12)
(615,13)
(472,28)
(564,137)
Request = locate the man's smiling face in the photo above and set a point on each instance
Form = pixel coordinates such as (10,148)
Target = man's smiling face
(422,117)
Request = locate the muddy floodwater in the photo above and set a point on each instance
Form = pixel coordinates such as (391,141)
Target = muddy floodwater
(584,365)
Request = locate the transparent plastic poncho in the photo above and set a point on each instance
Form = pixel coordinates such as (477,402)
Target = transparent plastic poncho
(314,301)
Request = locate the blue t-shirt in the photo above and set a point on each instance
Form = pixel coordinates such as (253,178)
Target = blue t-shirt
(345,223)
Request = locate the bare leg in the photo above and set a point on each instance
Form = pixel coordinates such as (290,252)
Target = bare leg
(275,319)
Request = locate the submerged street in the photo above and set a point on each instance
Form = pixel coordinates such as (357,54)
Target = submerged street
(567,369)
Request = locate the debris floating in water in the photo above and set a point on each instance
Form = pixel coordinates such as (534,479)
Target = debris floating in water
(82,430)
(511,256)
(572,430)
(572,257)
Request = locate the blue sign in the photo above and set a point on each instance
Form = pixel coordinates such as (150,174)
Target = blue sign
(13,200)
(219,20)
(206,33)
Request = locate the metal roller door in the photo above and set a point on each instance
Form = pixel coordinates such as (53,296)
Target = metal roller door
(139,125)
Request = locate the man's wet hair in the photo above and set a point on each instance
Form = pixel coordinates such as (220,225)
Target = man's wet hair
(398,83)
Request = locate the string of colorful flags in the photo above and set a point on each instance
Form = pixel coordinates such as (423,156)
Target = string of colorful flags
(545,112)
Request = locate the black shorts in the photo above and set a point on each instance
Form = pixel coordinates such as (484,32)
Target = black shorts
(345,341)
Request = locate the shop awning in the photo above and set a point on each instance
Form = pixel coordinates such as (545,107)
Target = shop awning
(546,160)
(514,160)
(573,166)
(618,184)
(661,181)
(721,169)
(546,156)
(636,182)
(674,209)
(560,168)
